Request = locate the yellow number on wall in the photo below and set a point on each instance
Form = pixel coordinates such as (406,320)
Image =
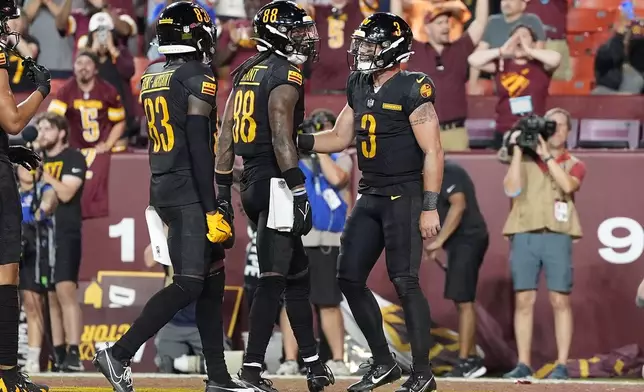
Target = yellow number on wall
(243,109)
(368,122)
(163,140)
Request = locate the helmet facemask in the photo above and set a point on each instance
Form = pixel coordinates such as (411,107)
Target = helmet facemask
(301,43)
(6,32)
(369,56)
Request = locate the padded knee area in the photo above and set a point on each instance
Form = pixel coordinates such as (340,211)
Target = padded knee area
(190,287)
(298,286)
(272,286)
(406,285)
(349,288)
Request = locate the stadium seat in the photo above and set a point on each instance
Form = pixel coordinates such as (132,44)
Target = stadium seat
(573,135)
(610,5)
(571,87)
(581,20)
(586,44)
(481,132)
(609,133)
(583,67)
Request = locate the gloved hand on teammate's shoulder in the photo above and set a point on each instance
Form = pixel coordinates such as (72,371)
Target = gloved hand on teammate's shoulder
(302,218)
(39,75)
(24,157)
(220,223)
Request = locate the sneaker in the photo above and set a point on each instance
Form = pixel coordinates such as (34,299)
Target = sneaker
(471,367)
(13,380)
(230,386)
(288,368)
(117,373)
(560,372)
(521,371)
(419,382)
(316,381)
(377,375)
(190,364)
(72,363)
(338,368)
(255,381)
(31,366)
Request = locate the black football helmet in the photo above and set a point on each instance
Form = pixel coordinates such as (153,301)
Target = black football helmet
(185,27)
(285,28)
(8,10)
(381,41)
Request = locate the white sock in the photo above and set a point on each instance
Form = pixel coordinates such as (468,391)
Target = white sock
(33,354)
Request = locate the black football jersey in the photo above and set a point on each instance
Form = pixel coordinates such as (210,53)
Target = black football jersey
(252,132)
(389,157)
(4,138)
(164,95)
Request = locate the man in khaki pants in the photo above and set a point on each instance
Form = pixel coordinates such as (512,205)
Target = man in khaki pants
(542,225)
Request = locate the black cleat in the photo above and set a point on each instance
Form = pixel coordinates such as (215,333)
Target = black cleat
(72,363)
(419,382)
(257,384)
(116,372)
(230,386)
(377,376)
(316,382)
(13,380)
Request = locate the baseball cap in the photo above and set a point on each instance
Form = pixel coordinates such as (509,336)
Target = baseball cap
(101,20)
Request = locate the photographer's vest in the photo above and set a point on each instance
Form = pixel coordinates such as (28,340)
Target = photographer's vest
(542,205)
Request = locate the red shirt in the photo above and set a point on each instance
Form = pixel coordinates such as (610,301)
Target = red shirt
(331,71)
(78,24)
(578,169)
(553,15)
(450,82)
(91,118)
(246,48)
(519,80)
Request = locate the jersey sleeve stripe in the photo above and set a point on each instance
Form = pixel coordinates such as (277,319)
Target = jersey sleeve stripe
(71,25)
(58,107)
(116,114)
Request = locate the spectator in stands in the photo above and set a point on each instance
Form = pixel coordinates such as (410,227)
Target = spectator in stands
(553,15)
(115,65)
(39,202)
(335,23)
(56,52)
(499,29)
(619,68)
(233,9)
(75,22)
(96,119)
(446,63)
(542,225)
(28,47)
(521,70)
(418,12)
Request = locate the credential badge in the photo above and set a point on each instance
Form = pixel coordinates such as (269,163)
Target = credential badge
(370,103)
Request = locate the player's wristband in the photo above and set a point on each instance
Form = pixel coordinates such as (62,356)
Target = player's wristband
(430,201)
(305,142)
(44,90)
(293,177)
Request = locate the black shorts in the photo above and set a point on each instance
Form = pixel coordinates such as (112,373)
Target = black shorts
(190,251)
(37,252)
(10,216)
(323,265)
(68,257)
(279,252)
(464,259)
(377,223)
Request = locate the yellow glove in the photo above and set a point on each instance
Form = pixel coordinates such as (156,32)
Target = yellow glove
(219,229)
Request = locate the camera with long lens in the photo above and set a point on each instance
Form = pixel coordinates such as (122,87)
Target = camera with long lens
(533,126)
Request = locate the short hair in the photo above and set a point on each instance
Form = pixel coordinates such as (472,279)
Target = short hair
(91,55)
(524,26)
(56,120)
(561,111)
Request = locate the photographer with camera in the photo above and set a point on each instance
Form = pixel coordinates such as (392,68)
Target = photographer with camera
(541,180)
(327,183)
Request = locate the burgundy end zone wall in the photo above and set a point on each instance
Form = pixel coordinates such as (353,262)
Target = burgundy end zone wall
(603,297)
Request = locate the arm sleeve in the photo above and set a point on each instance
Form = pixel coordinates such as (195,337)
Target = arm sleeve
(350,86)
(59,105)
(422,90)
(578,171)
(74,166)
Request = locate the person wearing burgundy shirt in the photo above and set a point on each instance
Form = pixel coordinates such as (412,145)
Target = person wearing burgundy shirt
(553,15)
(234,45)
(520,70)
(446,63)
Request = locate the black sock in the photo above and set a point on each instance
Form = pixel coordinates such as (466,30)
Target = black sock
(367,314)
(60,352)
(73,349)
(211,328)
(9,317)
(157,312)
(262,318)
(300,315)
(417,320)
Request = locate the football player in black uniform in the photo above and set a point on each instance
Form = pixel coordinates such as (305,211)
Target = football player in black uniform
(13,119)
(180,106)
(262,114)
(391,114)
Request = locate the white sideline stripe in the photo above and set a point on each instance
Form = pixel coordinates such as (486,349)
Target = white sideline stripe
(274,377)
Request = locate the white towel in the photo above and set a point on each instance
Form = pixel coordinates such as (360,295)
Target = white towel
(280,207)
(158,239)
